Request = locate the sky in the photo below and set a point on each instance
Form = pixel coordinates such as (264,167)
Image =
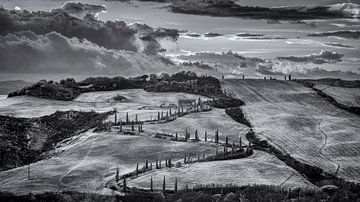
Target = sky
(53,44)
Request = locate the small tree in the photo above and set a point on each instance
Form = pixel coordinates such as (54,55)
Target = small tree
(205,136)
(176,136)
(137,168)
(196,135)
(146,165)
(127,117)
(136,118)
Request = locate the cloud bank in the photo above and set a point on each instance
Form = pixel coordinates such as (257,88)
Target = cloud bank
(27,52)
(111,35)
(316,58)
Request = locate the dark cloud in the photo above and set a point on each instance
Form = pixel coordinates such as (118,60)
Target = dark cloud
(111,35)
(27,52)
(316,58)
(338,45)
(80,10)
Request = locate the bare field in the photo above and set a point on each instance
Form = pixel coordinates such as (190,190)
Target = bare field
(299,122)
(86,162)
(260,168)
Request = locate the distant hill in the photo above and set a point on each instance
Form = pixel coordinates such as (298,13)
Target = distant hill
(8,86)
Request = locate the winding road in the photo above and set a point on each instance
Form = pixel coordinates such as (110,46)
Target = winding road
(322,147)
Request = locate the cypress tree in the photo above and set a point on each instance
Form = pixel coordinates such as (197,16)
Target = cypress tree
(124,184)
(217,136)
(176,186)
(132,126)
(127,117)
(151,184)
(157,164)
(186,135)
(170,112)
(158,116)
(163,188)
(117,174)
(166,163)
(169,163)
(196,135)
(226,141)
(115,117)
(29,171)
(146,165)
(176,136)
(136,118)
(205,136)
(121,126)
(185,158)
(137,168)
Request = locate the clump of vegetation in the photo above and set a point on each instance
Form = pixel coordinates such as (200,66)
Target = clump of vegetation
(237,114)
(119,98)
(65,90)
(17,145)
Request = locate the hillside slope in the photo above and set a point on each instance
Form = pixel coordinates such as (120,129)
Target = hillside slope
(302,124)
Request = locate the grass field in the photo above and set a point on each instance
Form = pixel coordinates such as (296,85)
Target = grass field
(260,168)
(301,123)
(210,121)
(138,101)
(346,96)
(86,162)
